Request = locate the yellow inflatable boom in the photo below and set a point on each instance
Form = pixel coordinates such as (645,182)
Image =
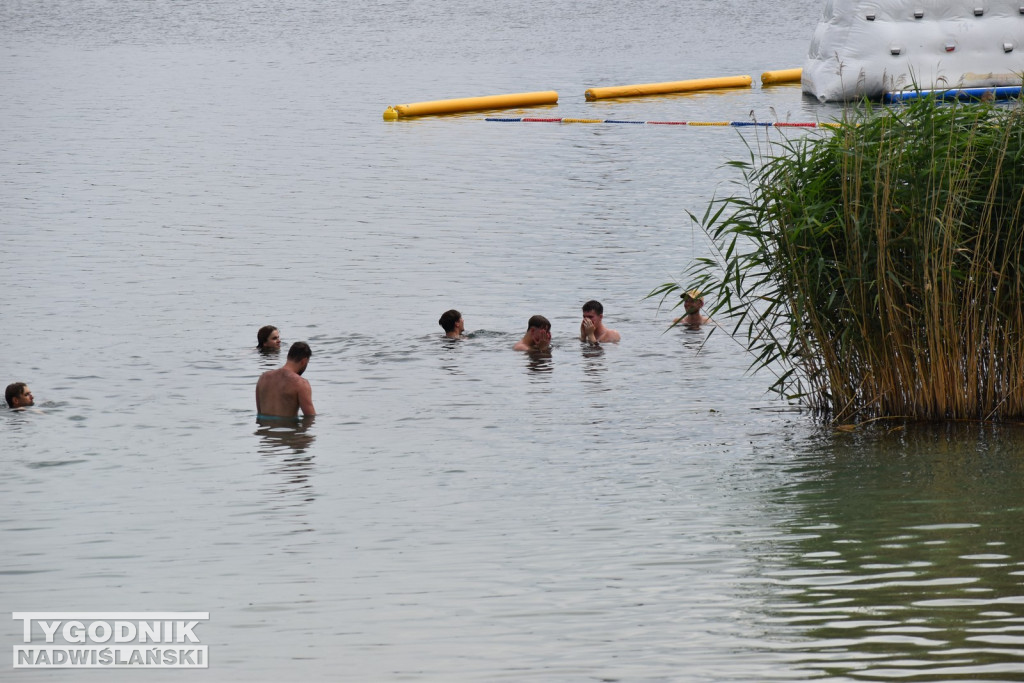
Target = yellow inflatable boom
(781,76)
(521,99)
(667,87)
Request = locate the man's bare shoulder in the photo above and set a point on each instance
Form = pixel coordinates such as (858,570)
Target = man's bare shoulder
(610,336)
(282,376)
(271,375)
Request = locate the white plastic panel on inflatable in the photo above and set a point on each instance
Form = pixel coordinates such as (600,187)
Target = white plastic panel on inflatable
(869,48)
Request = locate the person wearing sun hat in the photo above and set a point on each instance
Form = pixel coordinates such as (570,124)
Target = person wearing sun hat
(693,301)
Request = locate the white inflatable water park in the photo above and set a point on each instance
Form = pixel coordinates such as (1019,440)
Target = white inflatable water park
(882,49)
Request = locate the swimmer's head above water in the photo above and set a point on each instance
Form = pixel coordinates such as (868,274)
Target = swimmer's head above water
(299,354)
(452,324)
(268,338)
(538,335)
(693,302)
(18,395)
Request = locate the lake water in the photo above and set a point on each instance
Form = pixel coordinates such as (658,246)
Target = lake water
(173,175)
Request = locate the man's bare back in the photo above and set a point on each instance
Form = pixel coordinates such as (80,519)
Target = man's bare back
(283,392)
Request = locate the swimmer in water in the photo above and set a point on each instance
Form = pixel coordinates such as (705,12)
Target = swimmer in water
(283,392)
(268,338)
(537,337)
(19,396)
(693,301)
(452,324)
(592,328)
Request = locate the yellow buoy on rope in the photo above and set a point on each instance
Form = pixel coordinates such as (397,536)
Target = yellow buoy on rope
(781,76)
(643,89)
(453,106)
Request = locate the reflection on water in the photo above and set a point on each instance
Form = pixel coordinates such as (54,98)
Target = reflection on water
(539,361)
(907,556)
(593,359)
(693,338)
(451,350)
(284,449)
(284,435)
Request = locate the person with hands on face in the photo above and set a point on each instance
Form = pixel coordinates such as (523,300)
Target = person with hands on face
(592,328)
(537,337)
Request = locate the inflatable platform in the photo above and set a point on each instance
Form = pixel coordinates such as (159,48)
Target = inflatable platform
(867,49)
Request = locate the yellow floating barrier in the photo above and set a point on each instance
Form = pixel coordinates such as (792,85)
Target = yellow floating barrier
(781,76)
(667,87)
(522,99)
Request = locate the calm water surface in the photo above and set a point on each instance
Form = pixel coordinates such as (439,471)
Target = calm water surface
(175,175)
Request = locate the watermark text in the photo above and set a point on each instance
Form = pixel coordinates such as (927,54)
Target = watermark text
(110,640)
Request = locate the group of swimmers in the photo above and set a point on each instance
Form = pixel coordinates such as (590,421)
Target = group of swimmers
(538,328)
(283,392)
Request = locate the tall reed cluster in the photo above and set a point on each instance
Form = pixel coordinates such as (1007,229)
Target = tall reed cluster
(877,269)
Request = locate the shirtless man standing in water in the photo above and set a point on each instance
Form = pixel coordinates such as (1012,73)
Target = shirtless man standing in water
(592,328)
(282,392)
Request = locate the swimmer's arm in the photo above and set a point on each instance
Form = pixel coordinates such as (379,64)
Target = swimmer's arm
(258,411)
(306,399)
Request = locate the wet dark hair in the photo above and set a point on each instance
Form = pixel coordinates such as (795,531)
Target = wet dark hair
(539,321)
(594,306)
(448,320)
(14,391)
(299,351)
(263,335)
